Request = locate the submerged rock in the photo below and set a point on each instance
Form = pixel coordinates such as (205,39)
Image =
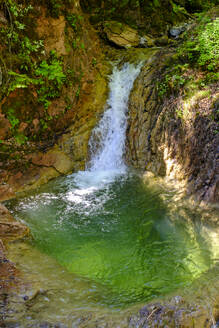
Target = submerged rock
(175,313)
(9,230)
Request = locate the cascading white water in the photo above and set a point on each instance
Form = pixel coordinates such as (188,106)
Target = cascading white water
(107,142)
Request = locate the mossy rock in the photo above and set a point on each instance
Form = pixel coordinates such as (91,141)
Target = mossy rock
(121,35)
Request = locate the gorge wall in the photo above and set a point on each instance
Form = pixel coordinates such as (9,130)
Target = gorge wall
(53,86)
(175,136)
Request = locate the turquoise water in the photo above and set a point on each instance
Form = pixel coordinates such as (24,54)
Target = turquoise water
(120,236)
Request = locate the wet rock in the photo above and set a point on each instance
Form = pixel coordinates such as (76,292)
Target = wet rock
(54,158)
(216,110)
(8,272)
(216,325)
(163,41)
(53,32)
(22,127)
(36,124)
(184,150)
(12,325)
(121,34)
(4,127)
(216,105)
(9,228)
(146,42)
(45,325)
(175,31)
(6,192)
(172,315)
(3,20)
(4,210)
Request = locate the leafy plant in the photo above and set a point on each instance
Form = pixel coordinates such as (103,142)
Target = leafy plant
(19,45)
(20,81)
(51,79)
(202,48)
(172,81)
(208,45)
(74,21)
(14,121)
(54,7)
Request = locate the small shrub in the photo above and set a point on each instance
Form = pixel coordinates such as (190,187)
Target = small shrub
(51,79)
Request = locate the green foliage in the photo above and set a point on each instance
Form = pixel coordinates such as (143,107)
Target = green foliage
(51,79)
(202,48)
(177,9)
(172,80)
(17,10)
(156,3)
(43,124)
(208,45)
(14,121)
(163,86)
(16,39)
(74,21)
(94,61)
(26,65)
(78,92)
(20,138)
(28,48)
(19,81)
(55,7)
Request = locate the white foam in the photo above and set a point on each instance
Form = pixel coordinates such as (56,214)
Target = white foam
(107,142)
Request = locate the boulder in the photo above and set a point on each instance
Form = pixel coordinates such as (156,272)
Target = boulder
(121,35)
(54,158)
(175,31)
(9,228)
(162,41)
(147,42)
(6,192)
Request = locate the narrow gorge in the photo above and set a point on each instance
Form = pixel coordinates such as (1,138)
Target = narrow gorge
(109,164)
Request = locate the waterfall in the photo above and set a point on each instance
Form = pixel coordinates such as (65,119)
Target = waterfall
(107,142)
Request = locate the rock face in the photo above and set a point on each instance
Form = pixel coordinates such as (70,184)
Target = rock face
(57,137)
(121,35)
(9,230)
(179,144)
